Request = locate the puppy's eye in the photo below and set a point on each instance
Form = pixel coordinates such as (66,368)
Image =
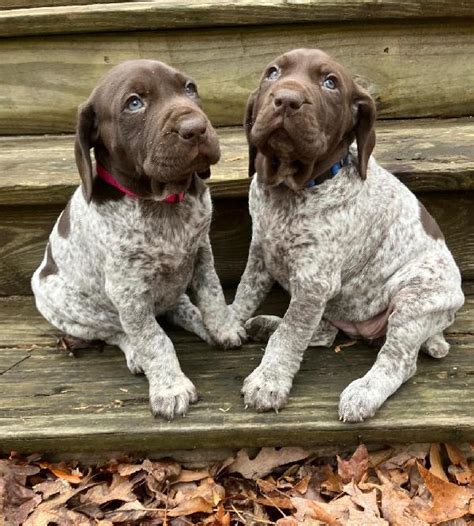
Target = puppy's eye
(330,82)
(273,73)
(135,103)
(190,89)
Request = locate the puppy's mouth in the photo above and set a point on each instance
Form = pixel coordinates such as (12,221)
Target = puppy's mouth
(160,190)
(277,171)
(171,176)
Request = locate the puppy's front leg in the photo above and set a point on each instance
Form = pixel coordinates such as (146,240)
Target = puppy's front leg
(150,350)
(218,319)
(254,285)
(269,385)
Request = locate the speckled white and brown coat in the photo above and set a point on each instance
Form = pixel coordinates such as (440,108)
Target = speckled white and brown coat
(357,254)
(115,262)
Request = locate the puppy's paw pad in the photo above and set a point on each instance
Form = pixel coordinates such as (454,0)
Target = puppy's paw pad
(358,401)
(265,390)
(172,400)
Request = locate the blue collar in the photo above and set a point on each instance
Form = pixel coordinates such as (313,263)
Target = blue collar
(329,174)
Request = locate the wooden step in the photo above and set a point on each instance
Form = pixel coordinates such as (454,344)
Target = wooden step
(414,68)
(62,17)
(37,176)
(90,404)
(428,155)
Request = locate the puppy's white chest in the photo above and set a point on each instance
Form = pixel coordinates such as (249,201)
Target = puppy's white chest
(277,244)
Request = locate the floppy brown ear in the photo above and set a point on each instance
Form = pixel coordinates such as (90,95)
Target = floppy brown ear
(85,132)
(248,123)
(364,128)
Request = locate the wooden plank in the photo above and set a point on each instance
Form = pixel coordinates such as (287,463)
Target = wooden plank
(454,214)
(427,155)
(25,4)
(51,402)
(23,327)
(25,230)
(47,78)
(172,14)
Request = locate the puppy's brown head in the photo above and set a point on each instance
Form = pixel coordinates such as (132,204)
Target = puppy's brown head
(145,123)
(303,117)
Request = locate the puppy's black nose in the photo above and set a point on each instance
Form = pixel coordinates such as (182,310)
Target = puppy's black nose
(192,128)
(287,102)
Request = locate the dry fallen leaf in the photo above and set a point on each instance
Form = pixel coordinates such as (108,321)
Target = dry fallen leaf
(396,490)
(65,475)
(60,516)
(406,454)
(435,461)
(44,512)
(121,489)
(130,511)
(201,500)
(377,457)
(307,509)
(460,468)
(267,460)
(366,500)
(332,482)
(354,468)
(396,504)
(195,505)
(187,475)
(341,346)
(449,500)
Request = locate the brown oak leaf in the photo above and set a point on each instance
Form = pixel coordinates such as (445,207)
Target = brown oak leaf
(449,500)
(354,468)
(266,461)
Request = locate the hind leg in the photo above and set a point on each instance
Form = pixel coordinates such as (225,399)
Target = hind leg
(395,363)
(436,346)
(260,328)
(78,315)
(187,316)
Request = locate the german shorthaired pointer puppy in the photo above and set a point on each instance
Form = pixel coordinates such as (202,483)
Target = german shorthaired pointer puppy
(351,244)
(135,236)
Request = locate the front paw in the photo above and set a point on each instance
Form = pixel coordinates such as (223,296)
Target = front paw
(360,400)
(230,335)
(171,397)
(266,389)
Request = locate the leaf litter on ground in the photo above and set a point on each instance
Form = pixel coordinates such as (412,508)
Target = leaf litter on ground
(414,485)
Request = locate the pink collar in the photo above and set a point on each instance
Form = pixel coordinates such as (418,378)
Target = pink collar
(110,179)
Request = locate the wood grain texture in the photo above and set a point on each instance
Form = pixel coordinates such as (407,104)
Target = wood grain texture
(23,327)
(51,402)
(32,4)
(47,78)
(24,232)
(172,14)
(427,155)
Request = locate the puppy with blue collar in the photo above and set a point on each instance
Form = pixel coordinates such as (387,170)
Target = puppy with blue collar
(351,244)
